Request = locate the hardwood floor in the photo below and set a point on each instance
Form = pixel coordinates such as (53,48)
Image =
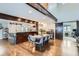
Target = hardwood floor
(55,48)
(3,47)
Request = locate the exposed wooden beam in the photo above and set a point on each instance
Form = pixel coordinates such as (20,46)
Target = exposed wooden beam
(40,8)
(15,18)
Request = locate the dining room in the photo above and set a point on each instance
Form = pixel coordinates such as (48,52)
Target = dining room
(31,29)
(27,32)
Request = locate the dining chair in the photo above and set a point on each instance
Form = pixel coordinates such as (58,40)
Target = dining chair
(31,42)
(39,40)
(31,39)
(12,38)
(46,40)
(51,36)
(39,44)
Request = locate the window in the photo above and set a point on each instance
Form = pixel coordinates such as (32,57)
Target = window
(67,28)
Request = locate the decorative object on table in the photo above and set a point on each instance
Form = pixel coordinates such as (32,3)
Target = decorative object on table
(42,31)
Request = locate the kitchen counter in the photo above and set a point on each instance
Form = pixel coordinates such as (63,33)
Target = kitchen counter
(23,36)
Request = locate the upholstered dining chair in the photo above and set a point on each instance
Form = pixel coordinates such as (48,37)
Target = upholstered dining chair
(51,36)
(31,42)
(46,40)
(39,44)
(31,39)
(12,38)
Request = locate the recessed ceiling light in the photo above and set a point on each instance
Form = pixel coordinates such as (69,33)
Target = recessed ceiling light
(31,22)
(19,19)
(44,17)
(26,21)
(30,11)
(63,3)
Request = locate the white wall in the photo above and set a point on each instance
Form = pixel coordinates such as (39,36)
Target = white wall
(47,27)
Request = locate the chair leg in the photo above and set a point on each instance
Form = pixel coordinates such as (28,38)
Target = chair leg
(33,48)
(29,44)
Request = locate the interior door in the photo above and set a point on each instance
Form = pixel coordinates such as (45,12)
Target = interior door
(59,31)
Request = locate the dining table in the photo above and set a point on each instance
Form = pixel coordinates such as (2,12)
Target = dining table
(38,38)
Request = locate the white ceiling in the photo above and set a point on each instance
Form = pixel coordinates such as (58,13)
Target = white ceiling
(65,12)
(25,11)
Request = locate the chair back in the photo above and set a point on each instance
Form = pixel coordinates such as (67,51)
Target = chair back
(46,38)
(30,38)
(51,36)
(12,38)
(39,40)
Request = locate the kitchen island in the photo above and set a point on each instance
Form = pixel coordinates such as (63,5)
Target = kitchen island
(23,36)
